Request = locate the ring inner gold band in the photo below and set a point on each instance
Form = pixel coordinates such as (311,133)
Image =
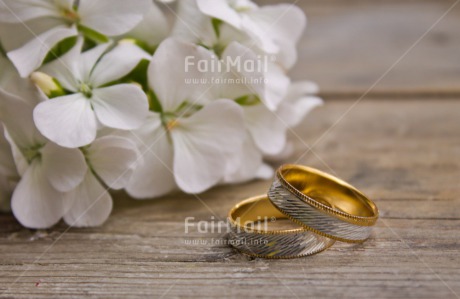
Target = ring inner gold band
(288,240)
(256,208)
(328,194)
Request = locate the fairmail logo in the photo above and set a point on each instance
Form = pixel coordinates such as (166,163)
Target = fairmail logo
(224,226)
(228,64)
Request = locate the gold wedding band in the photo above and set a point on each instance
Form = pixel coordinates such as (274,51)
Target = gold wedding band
(249,221)
(323,204)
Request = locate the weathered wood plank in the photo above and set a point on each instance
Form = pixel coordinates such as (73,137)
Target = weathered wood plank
(349,45)
(403,153)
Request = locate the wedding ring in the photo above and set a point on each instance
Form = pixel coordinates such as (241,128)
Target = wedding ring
(251,234)
(323,204)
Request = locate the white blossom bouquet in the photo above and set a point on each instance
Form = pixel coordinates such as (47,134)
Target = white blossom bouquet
(113,94)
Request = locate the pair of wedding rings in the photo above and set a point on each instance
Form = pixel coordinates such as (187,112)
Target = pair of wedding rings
(316,209)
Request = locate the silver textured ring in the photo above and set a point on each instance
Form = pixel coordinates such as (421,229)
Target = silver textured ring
(250,237)
(323,204)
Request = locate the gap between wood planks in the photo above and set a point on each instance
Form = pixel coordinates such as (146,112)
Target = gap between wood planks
(391,95)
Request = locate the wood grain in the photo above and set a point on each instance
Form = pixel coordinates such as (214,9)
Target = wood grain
(402,149)
(403,154)
(349,45)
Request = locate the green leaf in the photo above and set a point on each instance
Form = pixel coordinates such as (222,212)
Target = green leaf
(141,44)
(93,35)
(249,100)
(58,92)
(60,49)
(216,25)
(219,50)
(88,45)
(155,104)
(137,75)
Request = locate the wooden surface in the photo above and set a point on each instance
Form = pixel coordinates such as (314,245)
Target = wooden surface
(400,144)
(350,44)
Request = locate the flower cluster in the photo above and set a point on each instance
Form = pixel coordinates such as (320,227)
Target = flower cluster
(113,94)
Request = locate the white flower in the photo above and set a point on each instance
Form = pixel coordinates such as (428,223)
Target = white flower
(269,82)
(185,144)
(11,83)
(51,21)
(300,100)
(112,160)
(271,29)
(56,182)
(84,108)
(283,24)
(267,131)
(71,120)
(269,128)
(48,172)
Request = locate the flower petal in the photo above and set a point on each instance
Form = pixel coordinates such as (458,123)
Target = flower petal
(276,86)
(65,168)
(114,159)
(302,88)
(19,160)
(7,166)
(15,35)
(283,24)
(250,162)
(202,150)
(265,79)
(30,56)
(298,103)
(220,9)
(35,203)
(266,128)
(193,26)
(101,15)
(92,204)
(154,27)
(153,177)
(65,4)
(75,67)
(265,172)
(117,63)
(68,121)
(11,82)
(173,71)
(17,11)
(88,59)
(287,56)
(259,35)
(16,115)
(122,106)
(293,113)
(284,155)
(66,68)
(252,79)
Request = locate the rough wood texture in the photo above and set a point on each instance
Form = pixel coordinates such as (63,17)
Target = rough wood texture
(402,152)
(350,44)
